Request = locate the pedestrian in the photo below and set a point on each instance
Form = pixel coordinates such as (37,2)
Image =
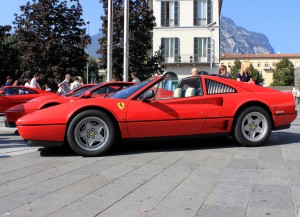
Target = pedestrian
(135,78)
(294,92)
(34,83)
(8,81)
(168,82)
(298,96)
(223,70)
(65,84)
(76,83)
(194,71)
(15,83)
(244,74)
(27,82)
(47,88)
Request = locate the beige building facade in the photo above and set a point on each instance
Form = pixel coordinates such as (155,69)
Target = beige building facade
(188,32)
(264,63)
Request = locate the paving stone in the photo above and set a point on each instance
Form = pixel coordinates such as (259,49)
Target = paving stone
(229,195)
(271,196)
(221,211)
(265,212)
(270,177)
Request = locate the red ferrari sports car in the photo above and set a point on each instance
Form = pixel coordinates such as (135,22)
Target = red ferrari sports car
(12,114)
(14,95)
(201,105)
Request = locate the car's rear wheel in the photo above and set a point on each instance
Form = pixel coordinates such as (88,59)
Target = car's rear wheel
(252,127)
(91,133)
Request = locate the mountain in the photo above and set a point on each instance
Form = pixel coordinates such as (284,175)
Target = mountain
(94,46)
(237,40)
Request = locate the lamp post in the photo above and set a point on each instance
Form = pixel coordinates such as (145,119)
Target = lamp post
(210,27)
(87,64)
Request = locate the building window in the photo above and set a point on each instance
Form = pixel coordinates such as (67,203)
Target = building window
(258,64)
(202,49)
(170,49)
(202,12)
(266,64)
(274,64)
(229,64)
(170,13)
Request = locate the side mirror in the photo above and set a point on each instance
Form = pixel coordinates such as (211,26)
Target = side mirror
(148,95)
(87,94)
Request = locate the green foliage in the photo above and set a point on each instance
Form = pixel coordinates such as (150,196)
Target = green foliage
(51,39)
(283,74)
(256,76)
(235,69)
(154,65)
(93,70)
(141,23)
(9,56)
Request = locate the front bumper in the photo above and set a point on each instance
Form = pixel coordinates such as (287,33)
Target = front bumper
(52,133)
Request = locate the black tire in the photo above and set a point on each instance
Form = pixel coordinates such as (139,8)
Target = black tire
(252,127)
(91,133)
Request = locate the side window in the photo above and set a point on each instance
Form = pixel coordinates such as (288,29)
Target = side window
(27,91)
(191,87)
(214,87)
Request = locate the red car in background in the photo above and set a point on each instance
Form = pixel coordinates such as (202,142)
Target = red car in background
(80,88)
(12,114)
(14,95)
(200,106)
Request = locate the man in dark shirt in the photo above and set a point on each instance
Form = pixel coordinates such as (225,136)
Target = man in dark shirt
(8,81)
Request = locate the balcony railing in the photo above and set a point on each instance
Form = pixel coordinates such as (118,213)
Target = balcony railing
(202,22)
(170,23)
(186,58)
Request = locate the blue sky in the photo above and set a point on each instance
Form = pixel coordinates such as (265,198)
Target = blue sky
(279,21)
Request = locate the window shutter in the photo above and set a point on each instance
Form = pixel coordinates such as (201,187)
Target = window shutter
(209,12)
(209,49)
(195,12)
(163,47)
(176,13)
(196,57)
(163,14)
(177,49)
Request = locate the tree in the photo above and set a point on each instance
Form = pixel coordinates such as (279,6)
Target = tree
(235,69)
(283,74)
(9,56)
(51,39)
(93,70)
(141,23)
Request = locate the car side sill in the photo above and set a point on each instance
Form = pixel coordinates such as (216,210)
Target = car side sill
(286,126)
(43,143)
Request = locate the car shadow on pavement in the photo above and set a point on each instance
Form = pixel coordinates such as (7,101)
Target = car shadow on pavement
(136,147)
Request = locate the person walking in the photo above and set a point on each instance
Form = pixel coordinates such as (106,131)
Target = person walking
(65,84)
(34,81)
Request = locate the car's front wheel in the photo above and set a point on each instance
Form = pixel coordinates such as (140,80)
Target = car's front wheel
(91,133)
(252,127)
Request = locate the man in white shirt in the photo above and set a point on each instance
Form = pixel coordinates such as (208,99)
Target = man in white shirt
(34,81)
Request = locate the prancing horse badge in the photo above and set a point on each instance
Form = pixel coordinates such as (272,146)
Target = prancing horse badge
(121,105)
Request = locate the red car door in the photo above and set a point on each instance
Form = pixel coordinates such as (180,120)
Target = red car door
(167,116)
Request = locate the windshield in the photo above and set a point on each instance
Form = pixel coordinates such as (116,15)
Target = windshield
(81,91)
(123,94)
